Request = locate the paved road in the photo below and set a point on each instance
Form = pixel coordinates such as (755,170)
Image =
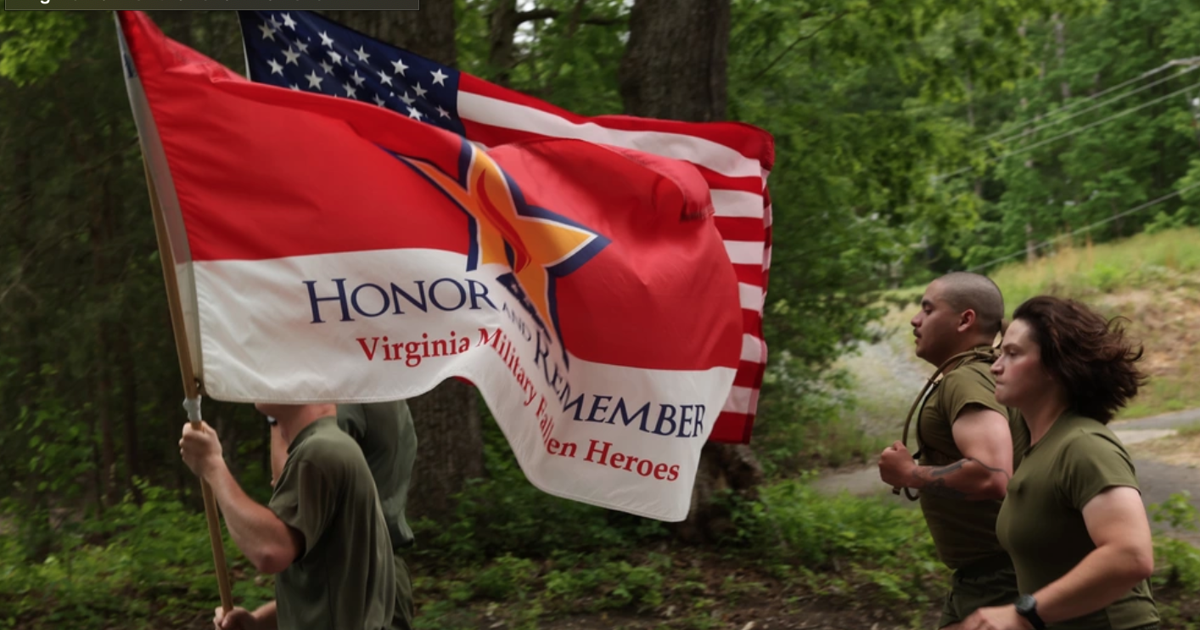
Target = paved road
(1173,420)
(1158,480)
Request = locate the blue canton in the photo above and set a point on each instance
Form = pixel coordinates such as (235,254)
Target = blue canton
(304,51)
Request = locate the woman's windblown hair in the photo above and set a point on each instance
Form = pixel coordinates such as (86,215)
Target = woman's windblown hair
(1090,356)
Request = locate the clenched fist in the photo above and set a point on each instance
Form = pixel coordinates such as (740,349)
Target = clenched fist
(201,450)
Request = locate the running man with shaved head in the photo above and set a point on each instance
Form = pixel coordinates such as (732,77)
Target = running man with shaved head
(965,443)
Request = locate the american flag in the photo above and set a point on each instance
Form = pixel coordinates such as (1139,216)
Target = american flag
(304,51)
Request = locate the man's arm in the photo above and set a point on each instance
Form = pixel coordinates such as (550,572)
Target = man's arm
(265,540)
(983,437)
(279,453)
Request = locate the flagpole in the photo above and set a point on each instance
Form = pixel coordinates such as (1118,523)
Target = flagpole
(191,386)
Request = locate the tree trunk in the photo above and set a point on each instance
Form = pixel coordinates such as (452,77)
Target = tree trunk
(674,63)
(447,418)
(503,27)
(674,67)
(100,236)
(428,32)
(129,394)
(1060,37)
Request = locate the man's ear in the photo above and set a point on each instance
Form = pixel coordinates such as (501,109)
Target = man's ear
(966,320)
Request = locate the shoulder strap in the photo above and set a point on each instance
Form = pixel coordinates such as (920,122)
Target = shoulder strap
(949,365)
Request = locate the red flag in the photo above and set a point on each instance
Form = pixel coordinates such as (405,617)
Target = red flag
(337,251)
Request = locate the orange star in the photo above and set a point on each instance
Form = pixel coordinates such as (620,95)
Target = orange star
(542,244)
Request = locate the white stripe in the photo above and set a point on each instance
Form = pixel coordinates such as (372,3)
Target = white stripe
(745,252)
(737,203)
(711,155)
(752,349)
(741,400)
(751,297)
(767,259)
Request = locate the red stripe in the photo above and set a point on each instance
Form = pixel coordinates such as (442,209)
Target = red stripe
(732,428)
(750,274)
(751,322)
(740,229)
(748,140)
(492,136)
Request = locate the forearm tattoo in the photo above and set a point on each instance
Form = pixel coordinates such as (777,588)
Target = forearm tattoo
(936,483)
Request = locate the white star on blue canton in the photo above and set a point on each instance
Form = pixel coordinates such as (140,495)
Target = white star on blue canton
(413,113)
(266,31)
(314,81)
(420,91)
(292,57)
(326,67)
(289,22)
(326,40)
(363,55)
(275,67)
(357,79)
(408,100)
(439,77)
(400,66)
(384,79)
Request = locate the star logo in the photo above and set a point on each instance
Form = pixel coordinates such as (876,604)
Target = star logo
(537,244)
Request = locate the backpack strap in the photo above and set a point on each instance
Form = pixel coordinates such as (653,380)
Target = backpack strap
(949,365)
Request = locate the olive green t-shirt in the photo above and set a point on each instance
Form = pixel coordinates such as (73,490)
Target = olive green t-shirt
(963,531)
(1041,524)
(345,577)
(388,440)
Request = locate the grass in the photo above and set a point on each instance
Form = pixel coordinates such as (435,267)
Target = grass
(1153,280)
(1166,260)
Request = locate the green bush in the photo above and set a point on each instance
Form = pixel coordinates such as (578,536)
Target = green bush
(505,514)
(138,563)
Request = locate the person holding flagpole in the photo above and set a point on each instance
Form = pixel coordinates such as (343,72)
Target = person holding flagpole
(388,439)
(323,532)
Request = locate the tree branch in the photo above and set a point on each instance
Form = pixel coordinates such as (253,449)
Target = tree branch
(547,14)
(787,50)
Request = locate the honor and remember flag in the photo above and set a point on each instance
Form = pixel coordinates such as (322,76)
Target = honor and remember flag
(306,52)
(329,250)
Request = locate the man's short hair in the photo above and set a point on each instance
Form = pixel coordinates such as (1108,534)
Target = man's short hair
(963,290)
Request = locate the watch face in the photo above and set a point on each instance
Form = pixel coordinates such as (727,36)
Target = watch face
(1026,603)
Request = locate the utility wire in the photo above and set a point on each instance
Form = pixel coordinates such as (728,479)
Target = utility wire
(1059,121)
(1086,228)
(1190,61)
(1069,133)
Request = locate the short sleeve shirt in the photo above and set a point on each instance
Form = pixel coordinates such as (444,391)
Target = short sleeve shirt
(963,531)
(345,578)
(388,440)
(1041,524)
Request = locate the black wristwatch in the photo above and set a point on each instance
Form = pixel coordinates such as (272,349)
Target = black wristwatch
(1027,608)
(271,420)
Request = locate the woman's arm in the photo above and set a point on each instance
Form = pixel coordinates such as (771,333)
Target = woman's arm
(1124,555)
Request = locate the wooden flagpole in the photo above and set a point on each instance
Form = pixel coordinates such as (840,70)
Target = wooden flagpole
(191,386)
